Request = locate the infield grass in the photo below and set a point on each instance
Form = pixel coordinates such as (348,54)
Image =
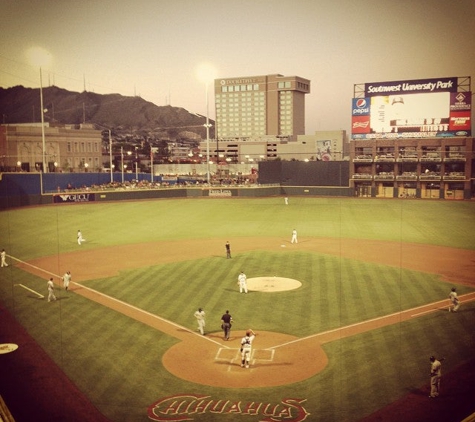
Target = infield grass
(116,361)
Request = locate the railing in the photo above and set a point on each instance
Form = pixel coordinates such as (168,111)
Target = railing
(363,159)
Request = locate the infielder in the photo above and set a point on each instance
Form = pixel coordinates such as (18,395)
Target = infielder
(200,318)
(66,279)
(294,236)
(242,281)
(50,285)
(454,301)
(246,348)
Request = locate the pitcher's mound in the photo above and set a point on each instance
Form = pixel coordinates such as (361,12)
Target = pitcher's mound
(272,284)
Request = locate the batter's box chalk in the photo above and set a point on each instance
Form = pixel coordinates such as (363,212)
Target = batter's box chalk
(263,355)
(226,354)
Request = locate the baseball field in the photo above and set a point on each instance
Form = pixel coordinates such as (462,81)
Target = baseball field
(346,319)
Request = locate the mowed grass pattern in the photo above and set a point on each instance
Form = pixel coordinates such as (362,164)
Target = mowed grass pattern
(116,361)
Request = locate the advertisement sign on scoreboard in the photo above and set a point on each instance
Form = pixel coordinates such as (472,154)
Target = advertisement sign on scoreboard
(412,109)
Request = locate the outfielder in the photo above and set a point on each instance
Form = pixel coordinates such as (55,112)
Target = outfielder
(242,281)
(80,238)
(246,348)
(454,301)
(200,318)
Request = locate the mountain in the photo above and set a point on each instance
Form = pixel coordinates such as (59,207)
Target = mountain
(112,111)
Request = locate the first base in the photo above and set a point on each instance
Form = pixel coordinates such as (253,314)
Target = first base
(282,246)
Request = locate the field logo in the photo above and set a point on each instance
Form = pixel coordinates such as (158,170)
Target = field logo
(185,407)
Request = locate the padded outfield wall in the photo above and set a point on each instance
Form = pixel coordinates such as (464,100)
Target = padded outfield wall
(287,178)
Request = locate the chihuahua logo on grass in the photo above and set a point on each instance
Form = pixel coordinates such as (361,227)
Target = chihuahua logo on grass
(187,407)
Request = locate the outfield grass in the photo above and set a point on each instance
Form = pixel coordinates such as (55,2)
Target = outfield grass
(116,361)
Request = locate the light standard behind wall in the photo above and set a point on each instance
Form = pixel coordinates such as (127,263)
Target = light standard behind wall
(41,57)
(43,138)
(206,74)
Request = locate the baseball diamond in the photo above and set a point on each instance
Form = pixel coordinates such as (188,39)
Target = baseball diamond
(312,305)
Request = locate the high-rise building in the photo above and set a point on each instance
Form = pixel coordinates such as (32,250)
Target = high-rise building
(253,106)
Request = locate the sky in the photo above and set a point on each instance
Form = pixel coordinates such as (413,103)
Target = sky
(154,48)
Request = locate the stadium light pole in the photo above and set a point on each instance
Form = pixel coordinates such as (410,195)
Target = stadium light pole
(110,156)
(136,165)
(43,138)
(122,163)
(206,73)
(207,126)
(40,57)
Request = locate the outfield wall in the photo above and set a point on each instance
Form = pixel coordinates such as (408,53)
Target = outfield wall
(22,190)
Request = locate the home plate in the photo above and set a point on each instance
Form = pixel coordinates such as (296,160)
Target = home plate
(272,284)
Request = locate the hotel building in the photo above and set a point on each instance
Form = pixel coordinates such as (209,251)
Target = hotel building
(255,106)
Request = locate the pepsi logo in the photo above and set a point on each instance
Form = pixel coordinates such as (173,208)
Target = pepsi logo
(361,103)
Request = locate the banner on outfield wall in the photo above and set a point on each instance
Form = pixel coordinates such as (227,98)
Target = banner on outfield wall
(73,197)
(426,108)
(220,192)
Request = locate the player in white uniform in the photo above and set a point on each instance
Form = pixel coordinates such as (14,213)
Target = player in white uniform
(4,256)
(66,280)
(80,238)
(50,285)
(242,281)
(454,301)
(246,348)
(200,318)
(435,375)
(294,236)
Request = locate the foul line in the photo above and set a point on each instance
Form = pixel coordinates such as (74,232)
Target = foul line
(128,305)
(33,266)
(31,290)
(467,297)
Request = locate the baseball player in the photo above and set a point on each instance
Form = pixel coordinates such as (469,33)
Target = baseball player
(454,301)
(4,256)
(80,238)
(66,279)
(242,281)
(294,236)
(435,374)
(200,318)
(50,285)
(246,348)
